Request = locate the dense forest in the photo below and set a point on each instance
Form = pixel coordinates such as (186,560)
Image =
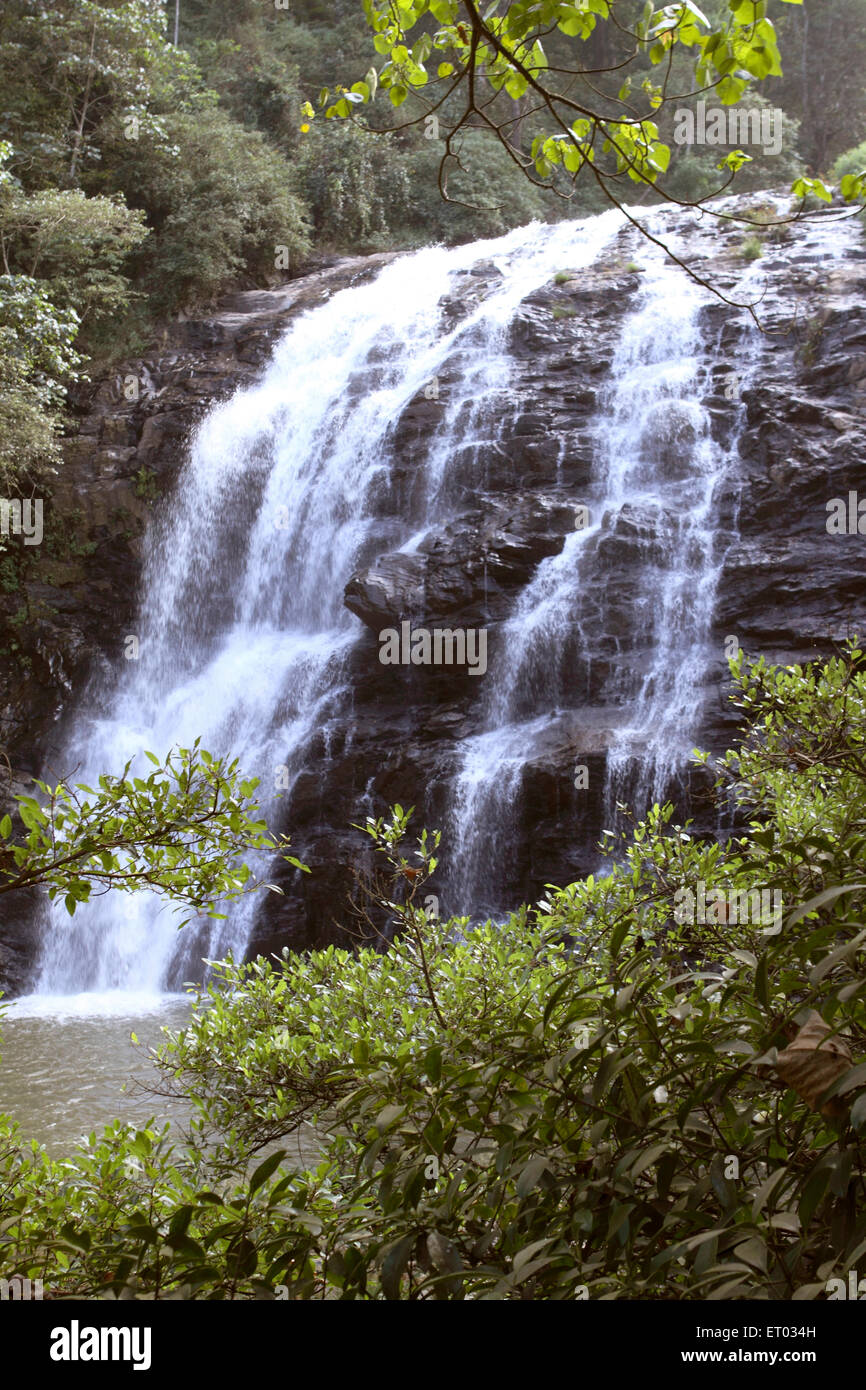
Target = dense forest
(642,1087)
(141,178)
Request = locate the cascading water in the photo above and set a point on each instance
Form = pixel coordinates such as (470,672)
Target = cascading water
(657,469)
(243,630)
(646,763)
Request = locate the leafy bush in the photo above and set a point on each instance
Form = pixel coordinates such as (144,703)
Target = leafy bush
(751,248)
(592,1100)
(77,245)
(220,202)
(850,169)
(36,360)
(853,161)
(356,185)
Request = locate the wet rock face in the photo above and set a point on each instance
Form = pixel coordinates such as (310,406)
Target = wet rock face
(66,625)
(787,588)
(468,571)
(19,918)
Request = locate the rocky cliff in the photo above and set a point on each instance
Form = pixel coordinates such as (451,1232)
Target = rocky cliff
(794,393)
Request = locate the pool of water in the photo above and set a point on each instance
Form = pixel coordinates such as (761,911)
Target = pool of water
(69,1063)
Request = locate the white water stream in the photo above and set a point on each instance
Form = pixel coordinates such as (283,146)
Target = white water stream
(243,630)
(244,634)
(656,470)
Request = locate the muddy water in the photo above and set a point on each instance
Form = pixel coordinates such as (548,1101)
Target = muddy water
(69,1065)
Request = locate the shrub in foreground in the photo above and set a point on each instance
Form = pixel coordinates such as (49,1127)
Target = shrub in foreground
(604,1097)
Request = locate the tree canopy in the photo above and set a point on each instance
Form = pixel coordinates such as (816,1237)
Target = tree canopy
(598,74)
(142,176)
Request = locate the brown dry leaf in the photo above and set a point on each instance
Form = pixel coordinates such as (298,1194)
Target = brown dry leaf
(812,1061)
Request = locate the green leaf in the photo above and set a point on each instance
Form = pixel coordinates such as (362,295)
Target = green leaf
(264,1170)
(79,1240)
(829,895)
(393,1266)
(648,1158)
(530,1175)
(853,187)
(730,89)
(388,1115)
(618,935)
(834,957)
(803,186)
(433,1064)
(813,1191)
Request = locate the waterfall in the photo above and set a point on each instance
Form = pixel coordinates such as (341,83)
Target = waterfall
(243,633)
(580,639)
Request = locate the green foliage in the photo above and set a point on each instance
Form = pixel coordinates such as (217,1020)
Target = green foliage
(824,82)
(440,57)
(751,248)
(850,172)
(76,245)
(120,111)
(851,162)
(220,202)
(580,1102)
(181,831)
(255,72)
(8,576)
(90,61)
(130,1212)
(118,166)
(62,254)
(357,186)
(36,360)
(146,486)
